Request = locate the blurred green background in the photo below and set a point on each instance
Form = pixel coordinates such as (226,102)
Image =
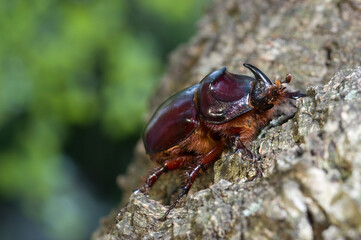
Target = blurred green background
(75,79)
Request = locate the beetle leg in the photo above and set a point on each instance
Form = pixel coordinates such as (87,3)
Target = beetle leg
(209,158)
(241,147)
(251,157)
(259,172)
(168,165)
(275,123)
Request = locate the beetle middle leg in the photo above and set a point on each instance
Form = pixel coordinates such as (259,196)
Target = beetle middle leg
(209,158)
(168,165)
(240,147)
(250,156)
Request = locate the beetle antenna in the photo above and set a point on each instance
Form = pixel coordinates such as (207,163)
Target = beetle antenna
(288,78)
(258,74)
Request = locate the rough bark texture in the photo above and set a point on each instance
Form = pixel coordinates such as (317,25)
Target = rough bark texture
(312,163)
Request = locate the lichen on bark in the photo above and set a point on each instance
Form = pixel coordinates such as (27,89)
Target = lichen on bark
(312,163)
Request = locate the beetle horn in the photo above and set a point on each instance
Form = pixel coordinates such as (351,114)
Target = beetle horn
(258,74)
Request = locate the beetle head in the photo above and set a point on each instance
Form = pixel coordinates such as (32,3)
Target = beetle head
(264,93)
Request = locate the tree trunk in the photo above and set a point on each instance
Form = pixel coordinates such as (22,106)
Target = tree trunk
(311,187)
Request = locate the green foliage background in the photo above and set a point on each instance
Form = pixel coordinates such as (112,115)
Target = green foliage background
(67,65)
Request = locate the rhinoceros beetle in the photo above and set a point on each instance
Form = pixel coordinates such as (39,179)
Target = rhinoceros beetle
(194,126)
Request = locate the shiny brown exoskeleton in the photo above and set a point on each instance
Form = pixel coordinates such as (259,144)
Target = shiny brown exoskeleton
(194,126)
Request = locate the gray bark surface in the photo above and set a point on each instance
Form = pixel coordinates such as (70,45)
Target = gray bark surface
(312,164)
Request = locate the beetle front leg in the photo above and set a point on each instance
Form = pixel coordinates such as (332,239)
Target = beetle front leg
(275,123)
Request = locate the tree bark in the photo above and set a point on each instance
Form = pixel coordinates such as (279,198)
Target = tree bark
(312,163)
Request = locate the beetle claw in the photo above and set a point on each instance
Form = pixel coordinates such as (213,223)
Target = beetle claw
(143,189)
(184,191)
(136,191)
(259,172)
(163,218)
(139,190)
(238,151)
